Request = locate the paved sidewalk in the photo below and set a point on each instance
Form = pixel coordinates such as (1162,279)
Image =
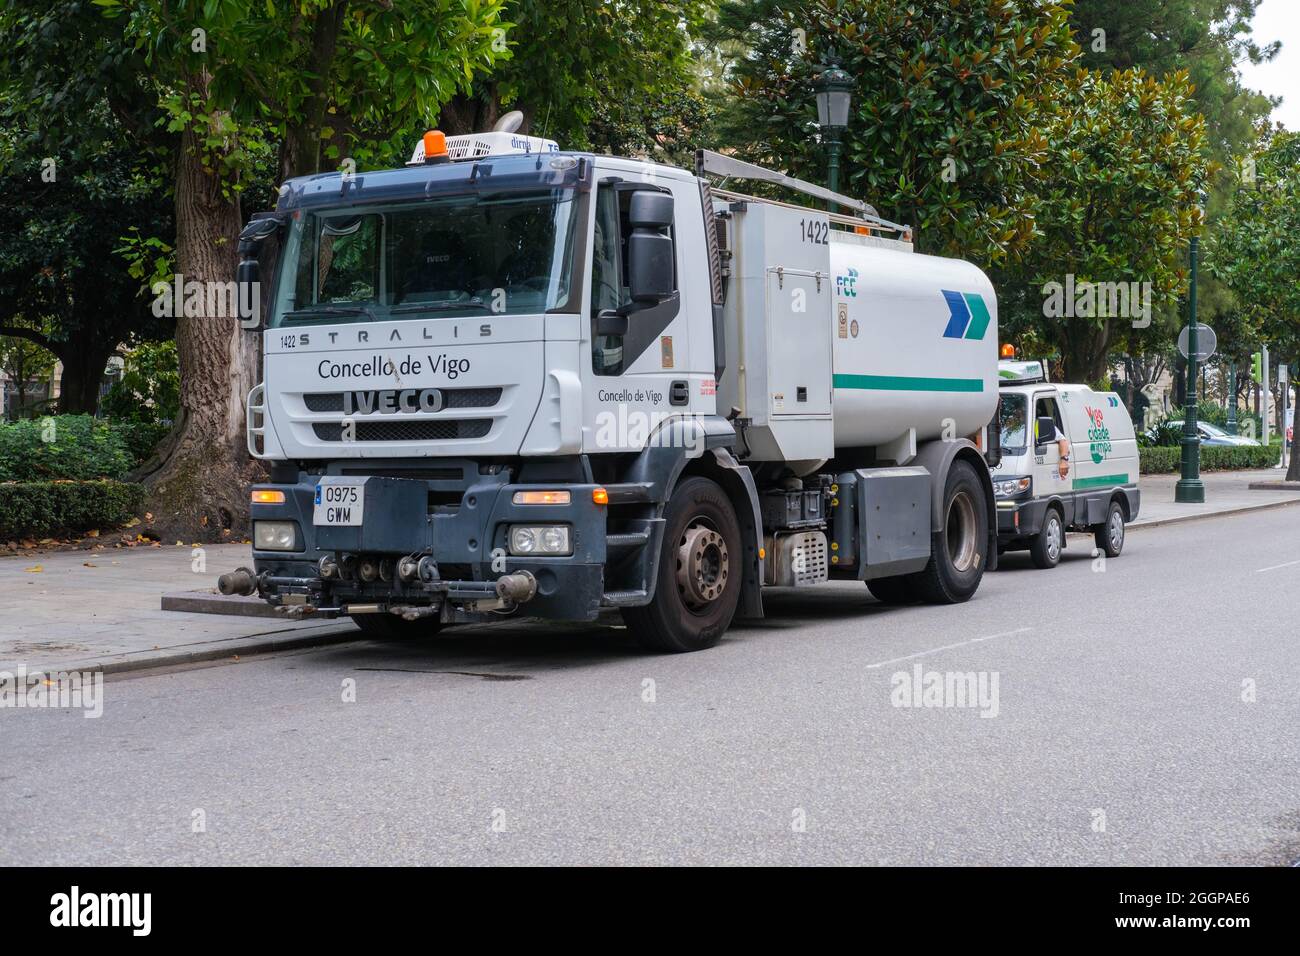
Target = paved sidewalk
(1226,492)
(80,610)
(87,610)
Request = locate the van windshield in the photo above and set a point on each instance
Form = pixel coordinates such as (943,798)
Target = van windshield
(1012,424)
(510,253)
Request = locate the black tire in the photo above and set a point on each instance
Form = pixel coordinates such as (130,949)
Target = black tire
(1110,536)
(390,627)
(900,589)
(957,564)
(701,547)
(1045,549)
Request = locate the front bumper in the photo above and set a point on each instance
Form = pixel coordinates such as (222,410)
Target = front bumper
(458,526)
(1020,518)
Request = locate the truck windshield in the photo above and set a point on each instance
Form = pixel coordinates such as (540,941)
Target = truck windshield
(1012,425)
(509,253)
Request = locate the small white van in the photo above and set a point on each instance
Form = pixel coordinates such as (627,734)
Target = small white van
(1039,495)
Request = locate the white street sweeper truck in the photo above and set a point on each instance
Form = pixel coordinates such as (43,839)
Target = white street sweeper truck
(509,379)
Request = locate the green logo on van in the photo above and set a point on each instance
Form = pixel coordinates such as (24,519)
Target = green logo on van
(1098,435)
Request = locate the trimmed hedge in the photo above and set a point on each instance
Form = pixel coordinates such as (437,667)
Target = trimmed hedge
(43,509)
(1163,459)
(62,446)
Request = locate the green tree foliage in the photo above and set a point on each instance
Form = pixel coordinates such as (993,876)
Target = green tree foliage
(1205,38)
(592,74)
(1118,203)
(942,134)
(149,389)
(1254,249)
(80,165)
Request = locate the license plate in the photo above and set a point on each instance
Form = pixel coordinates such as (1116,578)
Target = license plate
(340,502)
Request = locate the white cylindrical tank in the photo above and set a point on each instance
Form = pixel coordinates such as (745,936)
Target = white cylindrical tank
(914,344)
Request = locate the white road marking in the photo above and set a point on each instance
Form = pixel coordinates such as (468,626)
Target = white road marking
(1275,567)
(948,647)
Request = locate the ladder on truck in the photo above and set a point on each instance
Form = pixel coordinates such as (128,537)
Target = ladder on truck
(865,226)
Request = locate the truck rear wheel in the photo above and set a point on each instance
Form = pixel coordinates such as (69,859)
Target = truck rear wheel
(697,582)
(957,564)
(900,589)
(390,627)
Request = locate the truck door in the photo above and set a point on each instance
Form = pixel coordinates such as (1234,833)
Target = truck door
(640,366)
(1047,454)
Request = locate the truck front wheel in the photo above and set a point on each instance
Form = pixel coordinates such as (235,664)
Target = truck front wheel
(697,582)
(957,564)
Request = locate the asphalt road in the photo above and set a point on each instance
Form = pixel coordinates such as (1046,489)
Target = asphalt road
(1119,701)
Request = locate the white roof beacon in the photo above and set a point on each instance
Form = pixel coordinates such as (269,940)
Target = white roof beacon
(482,145)
(1021,373)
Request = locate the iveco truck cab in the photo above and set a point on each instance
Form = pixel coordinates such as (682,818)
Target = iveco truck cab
(1069,463)
(510,379)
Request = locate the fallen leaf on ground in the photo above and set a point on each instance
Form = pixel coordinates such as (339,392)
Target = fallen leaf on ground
(132,523)
(89,564)
(34,569)
(92,533)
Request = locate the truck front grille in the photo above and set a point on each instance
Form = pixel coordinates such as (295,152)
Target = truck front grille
(451,398)
(436,430)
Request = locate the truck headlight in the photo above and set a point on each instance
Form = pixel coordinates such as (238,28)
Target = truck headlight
(1011,487)
(275,535)
(529,539)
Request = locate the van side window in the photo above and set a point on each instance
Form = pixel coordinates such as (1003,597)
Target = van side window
(1047,408)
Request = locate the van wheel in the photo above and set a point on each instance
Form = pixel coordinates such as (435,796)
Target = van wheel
(1047,544)
(957,564)
(697,583)
(390,627)
(900,589)
(1110,536)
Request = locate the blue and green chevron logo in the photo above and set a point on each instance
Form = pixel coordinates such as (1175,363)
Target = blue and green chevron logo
(970,316)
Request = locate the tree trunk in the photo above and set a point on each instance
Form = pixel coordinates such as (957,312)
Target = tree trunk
(83,373)
(198,489)
(300,152)
(1083,350)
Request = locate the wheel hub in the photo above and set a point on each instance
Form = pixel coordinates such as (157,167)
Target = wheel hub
(961,525)
(702,565)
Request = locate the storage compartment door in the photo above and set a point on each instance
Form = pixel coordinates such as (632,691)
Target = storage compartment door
(798,343)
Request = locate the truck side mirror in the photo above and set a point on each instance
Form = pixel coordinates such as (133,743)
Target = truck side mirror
(651,276)
(1045,429)
(248,292)
(248,286)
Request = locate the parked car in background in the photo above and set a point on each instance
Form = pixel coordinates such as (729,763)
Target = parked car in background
(1211,434)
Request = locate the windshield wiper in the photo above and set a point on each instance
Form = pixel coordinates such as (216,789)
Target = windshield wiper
(439,307)
(333,310)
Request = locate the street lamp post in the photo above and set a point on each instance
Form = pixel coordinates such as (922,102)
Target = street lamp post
(834,89)
(1232,398)
(1190,489)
